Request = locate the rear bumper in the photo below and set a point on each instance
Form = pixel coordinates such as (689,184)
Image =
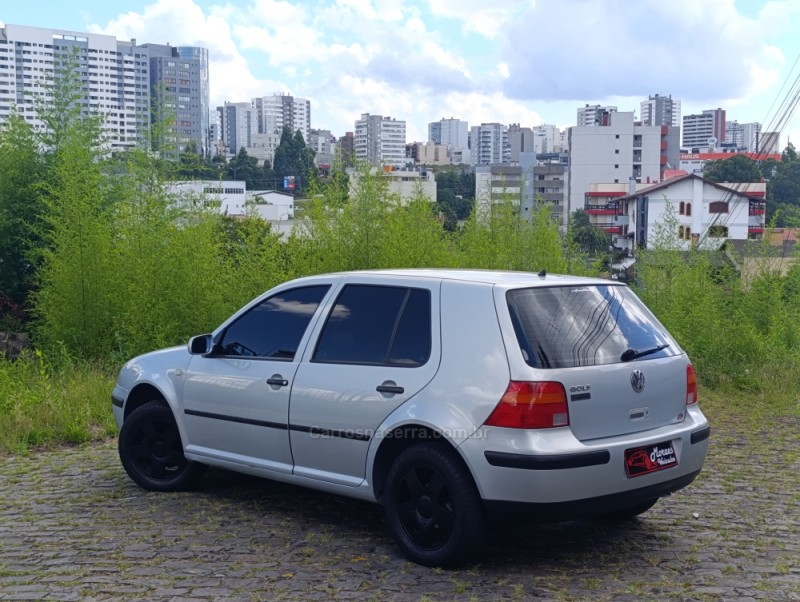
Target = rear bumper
(585,508)
(550,467)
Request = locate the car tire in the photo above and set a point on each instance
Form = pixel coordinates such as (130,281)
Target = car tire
(151,450)
(631,512)
(433,508)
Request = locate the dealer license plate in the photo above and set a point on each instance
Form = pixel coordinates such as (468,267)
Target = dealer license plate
(652,458)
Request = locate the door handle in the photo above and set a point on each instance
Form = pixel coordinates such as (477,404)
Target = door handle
(277,381)
(389,388)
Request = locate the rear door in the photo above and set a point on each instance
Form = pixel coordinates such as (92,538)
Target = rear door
(622,371)
(377,348)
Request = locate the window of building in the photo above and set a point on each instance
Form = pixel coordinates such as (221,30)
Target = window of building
(718,231)
(682,208)
(688,208)
(718,207)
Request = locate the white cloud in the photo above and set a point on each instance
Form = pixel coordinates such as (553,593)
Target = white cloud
(479,16)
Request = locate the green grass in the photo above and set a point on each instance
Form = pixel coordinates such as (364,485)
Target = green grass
(43,403)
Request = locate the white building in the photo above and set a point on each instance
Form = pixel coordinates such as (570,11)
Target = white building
(704,129)
(594,115)
(618,151)
(271,205)
(279,110)
(745,136)
(489,144)
(231,197)
(661,110)
(707,213)
(116,78)
(548,139)
(380,140)
(454,134)
(405,183)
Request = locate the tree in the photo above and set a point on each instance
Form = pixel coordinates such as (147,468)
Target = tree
(244,167)
(739,168)
(192,166)
(294,159)
(21,208)
(589,239)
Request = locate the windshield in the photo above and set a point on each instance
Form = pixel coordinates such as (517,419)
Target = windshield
(569,326)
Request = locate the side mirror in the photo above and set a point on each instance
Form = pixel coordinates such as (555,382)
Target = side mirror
(200,345)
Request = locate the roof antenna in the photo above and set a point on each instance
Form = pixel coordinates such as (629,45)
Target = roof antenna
(543,273)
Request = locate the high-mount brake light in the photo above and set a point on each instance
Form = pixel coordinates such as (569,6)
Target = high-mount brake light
(531,405)
(691,385)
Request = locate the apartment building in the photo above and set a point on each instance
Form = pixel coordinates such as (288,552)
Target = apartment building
(428,153)
(661,110)
(179,84)
(618,151)
(279,110)
(380,140)
(594,115)
(520,140)
(548,139)
(322,143)
(454,134)
(114,78)
(704,129)
(238,126)
(525,183)
(489,144)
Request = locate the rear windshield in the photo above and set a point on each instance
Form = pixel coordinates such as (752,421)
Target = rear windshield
(569,326)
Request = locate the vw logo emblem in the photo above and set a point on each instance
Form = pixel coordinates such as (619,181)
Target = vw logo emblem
(637,380)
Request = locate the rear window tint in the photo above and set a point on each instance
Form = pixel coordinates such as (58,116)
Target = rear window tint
(569,326)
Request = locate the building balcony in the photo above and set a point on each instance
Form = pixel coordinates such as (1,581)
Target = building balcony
(592,210)
(757,211)
(755,230)
(613,229)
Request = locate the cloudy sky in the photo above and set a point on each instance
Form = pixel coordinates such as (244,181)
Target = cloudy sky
(511,61)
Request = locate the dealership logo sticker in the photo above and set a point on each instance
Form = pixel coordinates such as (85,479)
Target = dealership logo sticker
(644,460)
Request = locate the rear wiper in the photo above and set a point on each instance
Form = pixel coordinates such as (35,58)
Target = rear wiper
(632,354)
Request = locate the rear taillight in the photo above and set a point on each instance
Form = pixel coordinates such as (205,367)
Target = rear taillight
(531,405)
(691,385)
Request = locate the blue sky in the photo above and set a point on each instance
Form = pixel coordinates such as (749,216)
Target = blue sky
(512,61)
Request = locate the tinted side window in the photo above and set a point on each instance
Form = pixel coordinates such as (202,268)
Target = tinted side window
(412,341)
(377,325)
(273,328)
(568,326)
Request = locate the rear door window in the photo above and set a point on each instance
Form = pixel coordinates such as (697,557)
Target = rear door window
(569,326)
(378,325)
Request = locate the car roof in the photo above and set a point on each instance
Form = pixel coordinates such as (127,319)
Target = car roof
(496,277)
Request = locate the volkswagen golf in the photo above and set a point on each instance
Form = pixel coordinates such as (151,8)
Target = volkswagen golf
(450,397)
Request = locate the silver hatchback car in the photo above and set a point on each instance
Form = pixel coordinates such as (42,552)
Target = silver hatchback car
(447,396)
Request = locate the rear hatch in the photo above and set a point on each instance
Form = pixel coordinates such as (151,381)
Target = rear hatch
(622,371)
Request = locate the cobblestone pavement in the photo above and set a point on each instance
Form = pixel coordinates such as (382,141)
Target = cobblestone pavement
(74,527)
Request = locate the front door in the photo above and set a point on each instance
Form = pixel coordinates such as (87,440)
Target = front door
(236,399)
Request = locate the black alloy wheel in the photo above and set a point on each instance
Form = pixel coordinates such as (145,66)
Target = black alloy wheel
(432,506)
(151,450)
